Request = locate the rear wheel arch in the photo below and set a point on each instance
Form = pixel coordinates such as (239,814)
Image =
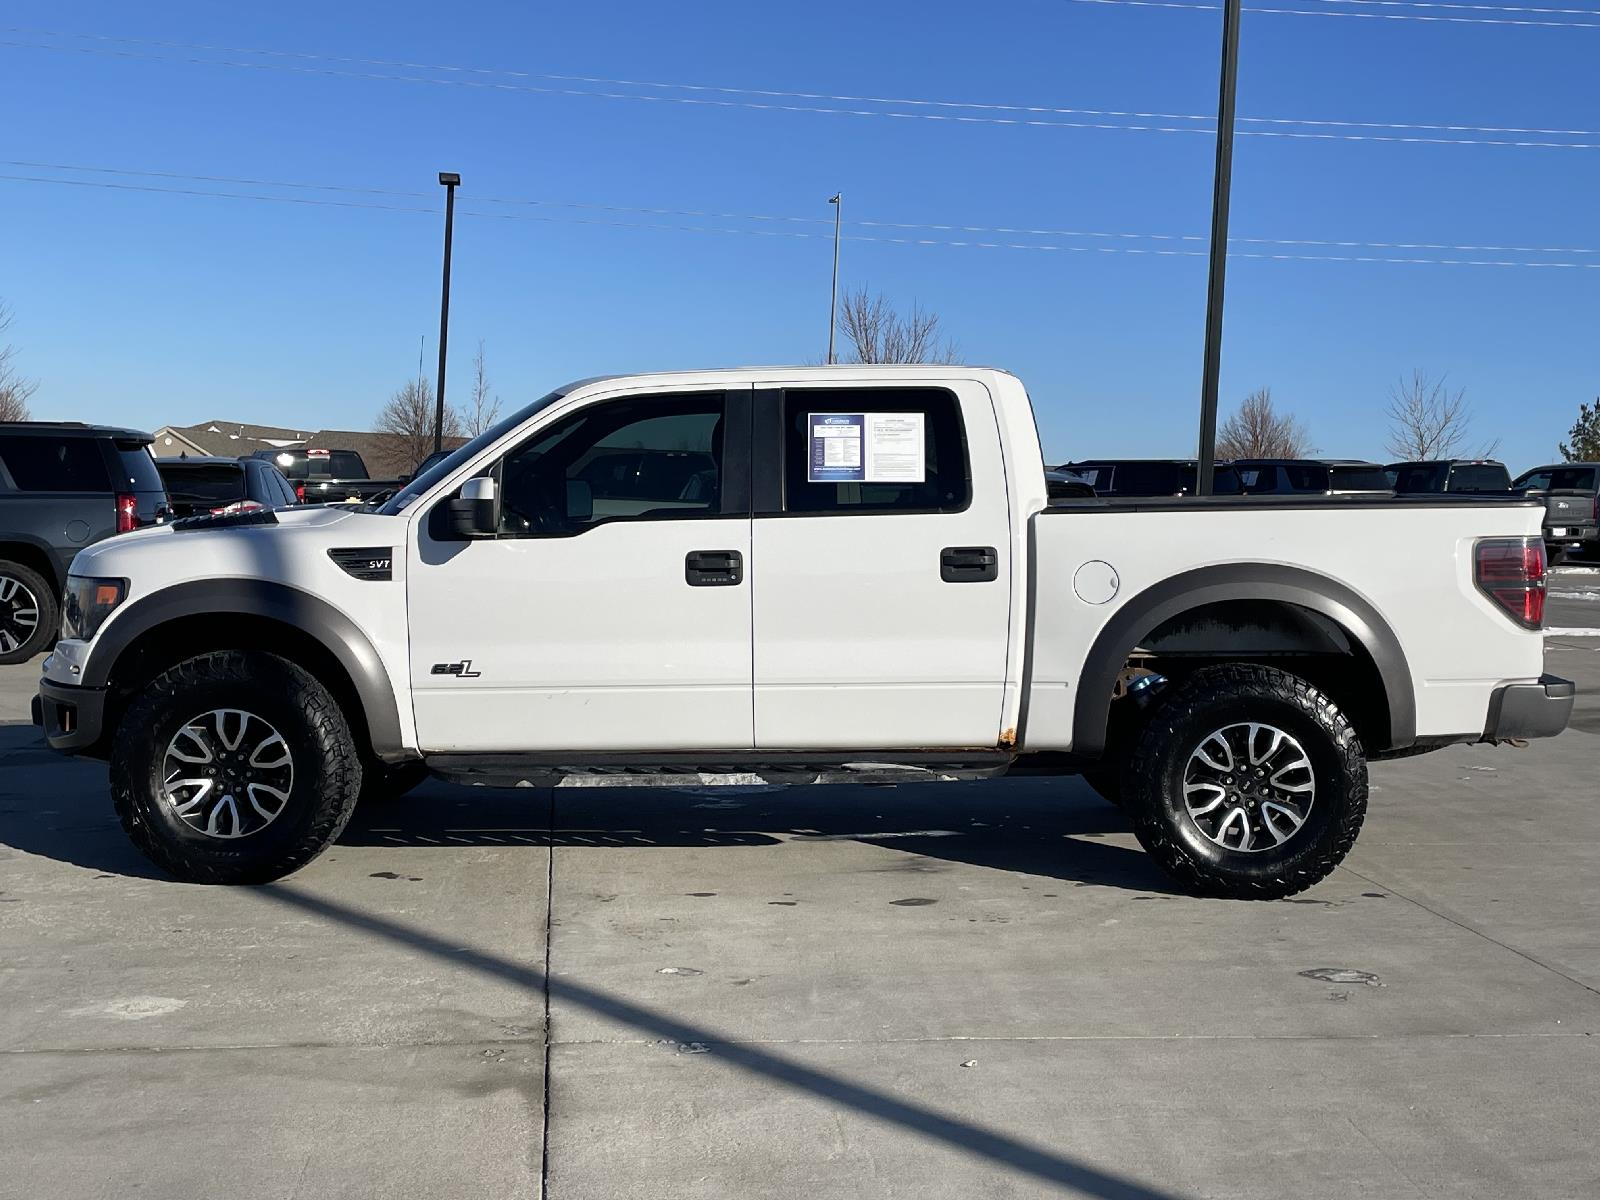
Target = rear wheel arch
(35,556)
(1308,612)
(191,619)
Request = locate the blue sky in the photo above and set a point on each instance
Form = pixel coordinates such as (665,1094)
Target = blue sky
(149,308)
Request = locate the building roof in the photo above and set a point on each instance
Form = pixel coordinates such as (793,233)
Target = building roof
(385,454)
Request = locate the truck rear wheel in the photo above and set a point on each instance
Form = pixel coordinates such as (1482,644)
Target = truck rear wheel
(1247,782)
(29,617)
(234,767)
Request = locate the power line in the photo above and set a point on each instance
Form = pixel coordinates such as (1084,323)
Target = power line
(707,214)
(1365,16)
(1160,252)
(1112,119)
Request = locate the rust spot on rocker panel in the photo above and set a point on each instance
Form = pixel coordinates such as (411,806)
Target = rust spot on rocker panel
(1008,739)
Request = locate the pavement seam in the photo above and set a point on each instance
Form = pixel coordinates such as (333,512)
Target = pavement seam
(549,923)
(1469,928)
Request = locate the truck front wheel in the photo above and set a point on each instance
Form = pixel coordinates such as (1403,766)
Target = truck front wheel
(234,767)
(1247,782)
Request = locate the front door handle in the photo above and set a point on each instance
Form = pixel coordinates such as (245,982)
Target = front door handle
(713,568)
(969,564)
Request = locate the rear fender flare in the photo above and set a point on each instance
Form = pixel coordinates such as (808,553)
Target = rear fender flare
(1160,602)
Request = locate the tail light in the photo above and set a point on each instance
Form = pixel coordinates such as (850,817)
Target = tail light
(1510,571)
(127,512)
(300,493)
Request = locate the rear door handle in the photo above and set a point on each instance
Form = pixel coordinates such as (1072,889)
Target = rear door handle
(969,564)
(713,568)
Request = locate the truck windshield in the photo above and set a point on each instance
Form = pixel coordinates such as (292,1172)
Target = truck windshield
(407,496)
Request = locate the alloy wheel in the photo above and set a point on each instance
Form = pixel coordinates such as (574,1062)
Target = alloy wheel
(1249,787)
(227,773)
(19,614)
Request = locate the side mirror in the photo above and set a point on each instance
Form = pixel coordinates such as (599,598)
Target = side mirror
(475,513)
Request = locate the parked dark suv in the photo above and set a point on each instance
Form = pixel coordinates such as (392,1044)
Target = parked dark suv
(216,486)
(1470,476)
(1146,476)
(63,485)
(1311,477)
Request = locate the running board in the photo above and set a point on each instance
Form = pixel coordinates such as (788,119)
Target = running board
(717,768)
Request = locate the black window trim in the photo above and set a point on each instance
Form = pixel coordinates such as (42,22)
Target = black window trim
(735,465)
(768,444)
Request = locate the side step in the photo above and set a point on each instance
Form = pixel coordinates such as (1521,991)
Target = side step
(717,768)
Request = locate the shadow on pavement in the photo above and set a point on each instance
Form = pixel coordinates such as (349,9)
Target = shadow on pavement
(58,808)
(1050,828)
(975,1140)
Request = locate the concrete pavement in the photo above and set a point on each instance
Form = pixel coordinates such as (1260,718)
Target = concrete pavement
(975,989)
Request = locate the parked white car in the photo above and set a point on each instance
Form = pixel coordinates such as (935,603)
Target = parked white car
(810,574)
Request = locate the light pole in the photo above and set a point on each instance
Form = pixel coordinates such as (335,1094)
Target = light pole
(450,180)
(1221,186)
(833,295)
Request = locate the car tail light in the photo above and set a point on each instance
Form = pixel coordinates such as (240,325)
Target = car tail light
(300,493)
(127,512)
(1510,571)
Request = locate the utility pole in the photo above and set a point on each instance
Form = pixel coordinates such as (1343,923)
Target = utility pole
(1222,185)
(450,180)
(833,296)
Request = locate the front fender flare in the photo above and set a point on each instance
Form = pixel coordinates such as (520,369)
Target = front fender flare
(309,614)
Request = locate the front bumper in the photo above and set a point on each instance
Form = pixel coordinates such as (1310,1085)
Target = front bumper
(72,717)
(1530,710)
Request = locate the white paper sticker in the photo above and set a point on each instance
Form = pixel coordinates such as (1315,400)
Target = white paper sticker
(866,447)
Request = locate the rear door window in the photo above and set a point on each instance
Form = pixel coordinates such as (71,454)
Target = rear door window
(1419,477)
(874,450)
(56,464)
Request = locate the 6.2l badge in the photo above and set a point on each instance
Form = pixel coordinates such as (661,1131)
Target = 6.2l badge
(461,670)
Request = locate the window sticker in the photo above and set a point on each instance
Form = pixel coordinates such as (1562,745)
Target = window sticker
(867,447)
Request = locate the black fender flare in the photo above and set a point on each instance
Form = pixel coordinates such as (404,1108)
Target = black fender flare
(1240,581)
(309,614)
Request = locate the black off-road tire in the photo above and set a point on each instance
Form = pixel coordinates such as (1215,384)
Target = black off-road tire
(1211,699)
(326,765)
(382,782)
(48,618)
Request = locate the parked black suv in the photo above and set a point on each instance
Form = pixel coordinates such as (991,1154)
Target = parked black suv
(1469,476)
(1311,477)
(63,485)
(1146,476)
(205,485)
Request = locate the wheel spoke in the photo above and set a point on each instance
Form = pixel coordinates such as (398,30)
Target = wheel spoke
(276,744)
(197,738)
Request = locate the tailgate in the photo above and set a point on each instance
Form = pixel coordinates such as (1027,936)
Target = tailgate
(1569,509)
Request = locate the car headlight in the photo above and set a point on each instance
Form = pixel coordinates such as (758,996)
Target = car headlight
(88,602)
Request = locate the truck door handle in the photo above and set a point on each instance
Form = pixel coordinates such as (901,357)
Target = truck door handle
(969,564)
(713,568)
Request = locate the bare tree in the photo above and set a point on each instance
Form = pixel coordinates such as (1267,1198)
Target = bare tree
(14,389)
(878,334)
(1428,420)
(408,418)
(1258,430)
(484,412)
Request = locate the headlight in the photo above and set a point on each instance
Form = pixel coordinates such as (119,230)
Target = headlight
(88,603)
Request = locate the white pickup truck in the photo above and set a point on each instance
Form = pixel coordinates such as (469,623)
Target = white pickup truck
(809,574)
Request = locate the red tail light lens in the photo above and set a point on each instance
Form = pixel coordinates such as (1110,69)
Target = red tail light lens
(127,512)
(300,492)
(1510,571)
